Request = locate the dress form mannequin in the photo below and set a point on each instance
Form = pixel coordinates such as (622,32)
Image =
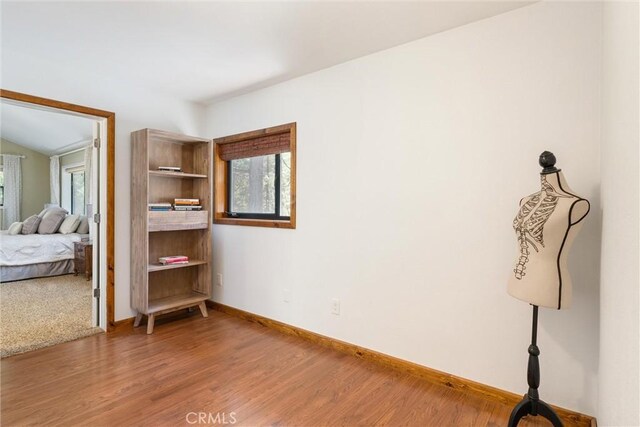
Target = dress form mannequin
(546,225)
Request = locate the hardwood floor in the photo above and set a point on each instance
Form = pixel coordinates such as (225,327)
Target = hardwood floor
(223,369)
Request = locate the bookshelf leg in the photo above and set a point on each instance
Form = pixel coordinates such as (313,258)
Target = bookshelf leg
(203,309)
(136,322)
(150,321)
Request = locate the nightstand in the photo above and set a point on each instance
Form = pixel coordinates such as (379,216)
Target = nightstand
(83,258)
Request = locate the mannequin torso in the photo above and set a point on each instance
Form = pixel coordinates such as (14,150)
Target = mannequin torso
(546,225)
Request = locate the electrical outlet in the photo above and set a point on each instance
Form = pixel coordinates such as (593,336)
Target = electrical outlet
(219,279)
(335,306)
(286,295)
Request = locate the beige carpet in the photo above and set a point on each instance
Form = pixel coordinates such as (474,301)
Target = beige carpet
(42,312)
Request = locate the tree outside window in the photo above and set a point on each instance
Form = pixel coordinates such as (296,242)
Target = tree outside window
(1,187)
(77,193)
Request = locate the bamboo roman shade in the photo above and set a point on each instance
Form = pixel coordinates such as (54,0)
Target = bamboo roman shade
(258,146)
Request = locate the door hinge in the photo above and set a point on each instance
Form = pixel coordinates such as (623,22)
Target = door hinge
(96,142)
(96,218)
(96,292)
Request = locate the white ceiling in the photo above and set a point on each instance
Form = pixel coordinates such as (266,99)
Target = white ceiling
(207,51)
(45,131)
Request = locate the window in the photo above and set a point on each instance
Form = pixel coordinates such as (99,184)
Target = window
(255,178)
(77,193)
(260,187)
(1,186)
(73,189)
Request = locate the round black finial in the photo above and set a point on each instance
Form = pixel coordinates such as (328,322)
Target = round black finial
(548,161)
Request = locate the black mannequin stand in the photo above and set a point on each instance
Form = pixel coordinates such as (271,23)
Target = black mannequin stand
(531,403)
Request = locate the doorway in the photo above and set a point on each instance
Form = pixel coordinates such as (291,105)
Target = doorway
(86,190)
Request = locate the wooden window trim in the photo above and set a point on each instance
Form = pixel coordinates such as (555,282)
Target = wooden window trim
(220,179)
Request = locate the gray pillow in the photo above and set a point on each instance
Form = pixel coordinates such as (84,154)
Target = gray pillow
(15,228)
(45,210)
(30,225)
(69,225)
(51,220)
(83,228)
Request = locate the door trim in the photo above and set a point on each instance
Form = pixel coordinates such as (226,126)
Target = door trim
(111,139)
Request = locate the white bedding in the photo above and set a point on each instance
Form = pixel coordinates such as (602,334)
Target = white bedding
(24,249)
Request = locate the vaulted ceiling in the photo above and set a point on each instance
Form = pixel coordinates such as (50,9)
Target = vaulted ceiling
(207,51)
(45,131)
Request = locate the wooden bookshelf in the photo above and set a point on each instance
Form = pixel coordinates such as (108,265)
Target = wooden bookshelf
(157,289)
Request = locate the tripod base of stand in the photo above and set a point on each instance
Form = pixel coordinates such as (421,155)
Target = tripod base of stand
(535,407)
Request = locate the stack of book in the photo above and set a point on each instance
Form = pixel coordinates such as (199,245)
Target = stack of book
(176,259)
(187,204)
(159,207)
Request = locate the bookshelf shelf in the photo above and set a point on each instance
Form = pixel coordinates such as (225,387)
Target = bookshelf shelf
(176,302)
(159,267)
(155,288)
(165,174)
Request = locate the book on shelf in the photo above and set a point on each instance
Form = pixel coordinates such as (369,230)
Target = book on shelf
(159,206)
(187,207)
(186,202)
(175,263)
(170,168)
(175,259)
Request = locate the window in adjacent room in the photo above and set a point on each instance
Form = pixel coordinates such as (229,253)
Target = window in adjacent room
(73,189)
(1,186)
(255,178)
(77,193)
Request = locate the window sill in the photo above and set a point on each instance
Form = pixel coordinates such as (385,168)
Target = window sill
(270,223)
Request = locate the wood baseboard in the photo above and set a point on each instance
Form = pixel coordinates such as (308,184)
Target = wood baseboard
(467,386)
(120,325)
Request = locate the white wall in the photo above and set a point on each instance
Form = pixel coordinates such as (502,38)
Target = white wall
(134,108)
(411,163)
(619,397)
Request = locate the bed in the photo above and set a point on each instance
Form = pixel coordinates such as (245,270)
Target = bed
(25,256)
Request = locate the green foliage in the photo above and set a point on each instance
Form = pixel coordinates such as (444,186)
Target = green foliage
(77,185)
(285,184)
